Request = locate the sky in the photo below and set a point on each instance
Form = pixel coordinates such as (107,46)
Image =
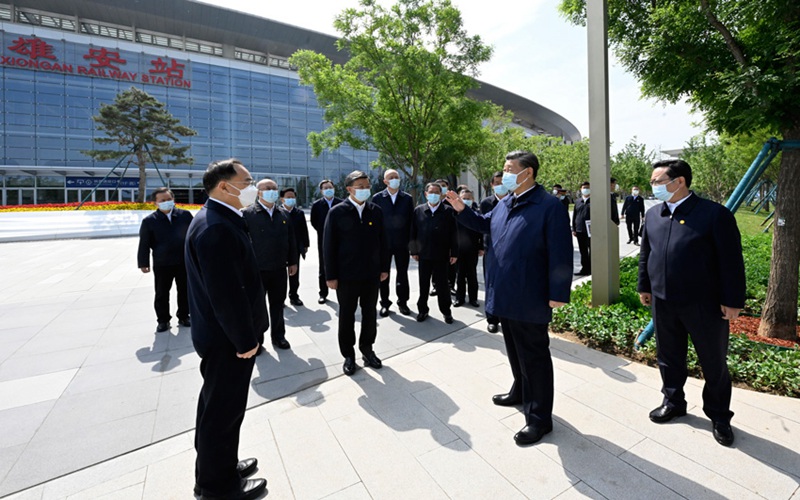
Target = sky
(537,55)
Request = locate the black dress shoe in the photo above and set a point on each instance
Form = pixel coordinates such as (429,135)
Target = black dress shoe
(492,328)
(629,242)
(452,291)
(458,303)
(322,300)
(434,293)
(448,319)
(372,360)
(349,366)
(665,413)
(296,302)
(250,490)
(384,312)
(422,317)
(184,322)
(404,309)
(245,468)
(281,343)
(506,400)
(531,434)
(723,433)
(474,303)
(162,327)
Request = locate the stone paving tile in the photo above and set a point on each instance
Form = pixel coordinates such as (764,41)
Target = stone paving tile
(125,486)
(36,389)
(24,421)
(41,364)
(355,492)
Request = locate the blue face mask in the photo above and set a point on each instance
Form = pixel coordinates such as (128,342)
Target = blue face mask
(327,193)
(661,193)
(362,194)
(394,183)
(166,206)
(510,181)
(444,190)
(500,190)
(270,195)
(468,203)
(290,202)
(433,198)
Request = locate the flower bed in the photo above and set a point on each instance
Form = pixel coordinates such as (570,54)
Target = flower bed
(90,205)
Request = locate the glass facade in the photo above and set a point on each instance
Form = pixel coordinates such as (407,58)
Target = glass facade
(54,82)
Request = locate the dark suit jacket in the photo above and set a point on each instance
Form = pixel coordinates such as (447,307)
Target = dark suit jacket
(529,261)
(396,217)
(633,207)
(581,213)
(487,204)
(319,212)
(298,219)
(273,238)
(226,299)
(165,238)
(693,255)
(433,234)
(614,209)
(469,241)
(355,249)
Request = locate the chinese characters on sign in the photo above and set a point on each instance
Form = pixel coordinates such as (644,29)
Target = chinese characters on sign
(36,54)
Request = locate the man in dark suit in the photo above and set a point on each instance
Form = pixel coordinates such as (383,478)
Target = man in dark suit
(164,232)
(319,213)
(357,260)
(451,269)
(229,315)
(275,246)
(614,205)
(398,209)
(434,244)
(499,191)
(561,193)
(633,211)
(580,215)
(470,247)
(530,264)
(298,218)
(691,272)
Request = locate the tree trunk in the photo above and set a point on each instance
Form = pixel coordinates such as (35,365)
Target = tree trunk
(779,317)
(140,161)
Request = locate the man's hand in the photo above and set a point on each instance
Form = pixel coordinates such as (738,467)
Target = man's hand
(554,304)
(481,253)
(333,284)
(415,257)
(455,201)
(729,313)
(145,269)
(249,354)
(574,234)
(384,276)
(645,298)
(293,270)
(453,259)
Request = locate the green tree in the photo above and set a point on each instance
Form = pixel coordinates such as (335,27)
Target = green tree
(498,138)
(737,62)
(403,90)
(141,128)
(632,165)
(710,173)
(565,164)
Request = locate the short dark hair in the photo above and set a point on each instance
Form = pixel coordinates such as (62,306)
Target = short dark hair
(585,183)
(325,181)
(526,159)
(442,181)
(675,169)
(159,191)
(465,190)
(288,190)
(354,176)
(614,180)
(497,175)
(557,186)
(428,185)
(219,171)
(462,187)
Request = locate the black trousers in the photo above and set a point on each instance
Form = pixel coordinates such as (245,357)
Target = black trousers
(163,277)
(436,269)
(220,411)
(467,278)
(275,285)
(323,284)
(585,248)
(528,348)
(401,260)
(675,322)
(294,283)
(490,318)
(350,295)
(633,228)
(452,270)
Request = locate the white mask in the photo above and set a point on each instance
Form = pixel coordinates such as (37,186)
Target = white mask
(635,192)
(247,196)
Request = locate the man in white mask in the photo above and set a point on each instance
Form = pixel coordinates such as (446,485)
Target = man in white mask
(581,214)
(633,212)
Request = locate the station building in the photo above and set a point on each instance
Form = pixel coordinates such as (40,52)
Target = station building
(221,72)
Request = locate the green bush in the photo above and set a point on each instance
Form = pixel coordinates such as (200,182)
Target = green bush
(614,328)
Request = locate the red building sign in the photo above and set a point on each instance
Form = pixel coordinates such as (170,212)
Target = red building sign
(100,62)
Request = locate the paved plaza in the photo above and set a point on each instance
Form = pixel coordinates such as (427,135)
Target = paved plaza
(94,403)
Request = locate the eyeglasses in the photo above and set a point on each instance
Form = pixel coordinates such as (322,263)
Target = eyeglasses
(659,182)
